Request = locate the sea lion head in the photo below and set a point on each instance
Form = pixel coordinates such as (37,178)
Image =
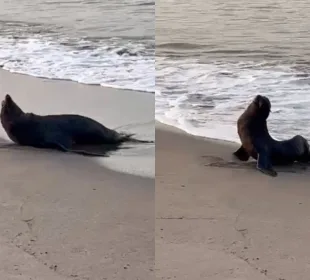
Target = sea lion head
(9,108)
(10,111)
(262,105)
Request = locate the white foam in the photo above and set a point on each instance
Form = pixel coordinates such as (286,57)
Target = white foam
(213,130)
(207,99)
(42,57)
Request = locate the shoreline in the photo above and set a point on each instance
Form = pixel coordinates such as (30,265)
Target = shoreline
(218,218)
(73,81)
(170,124)
(170,128)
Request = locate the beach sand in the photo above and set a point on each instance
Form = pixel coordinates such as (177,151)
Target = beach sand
(65,216)
(218,219)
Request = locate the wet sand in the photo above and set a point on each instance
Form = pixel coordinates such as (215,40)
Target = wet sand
(65,216)
(219,219)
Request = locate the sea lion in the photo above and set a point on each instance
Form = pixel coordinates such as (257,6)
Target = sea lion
(61,132)
(257,142)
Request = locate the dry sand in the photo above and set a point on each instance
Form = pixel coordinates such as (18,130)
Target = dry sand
(217,219)
(64,216)
(89,222)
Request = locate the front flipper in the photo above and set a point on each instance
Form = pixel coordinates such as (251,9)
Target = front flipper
(62,142)
(55,140)
(264,164)
(242,154)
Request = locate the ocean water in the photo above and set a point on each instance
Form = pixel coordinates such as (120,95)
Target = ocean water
(109,43)
(213,57)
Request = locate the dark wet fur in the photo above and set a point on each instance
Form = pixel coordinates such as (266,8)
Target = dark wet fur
(63,132)
(270,151)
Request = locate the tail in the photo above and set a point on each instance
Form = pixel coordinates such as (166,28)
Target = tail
(124,137)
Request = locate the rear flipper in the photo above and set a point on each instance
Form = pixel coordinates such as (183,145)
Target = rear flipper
(129,138)
(264,164)
(242,154)
(97,150)
(60,147)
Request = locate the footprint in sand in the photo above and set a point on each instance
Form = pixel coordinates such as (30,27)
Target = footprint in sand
(221,163)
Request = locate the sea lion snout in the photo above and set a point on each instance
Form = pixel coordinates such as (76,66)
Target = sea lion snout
(6,100)
(263,104)
(259,100)
(10,108)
